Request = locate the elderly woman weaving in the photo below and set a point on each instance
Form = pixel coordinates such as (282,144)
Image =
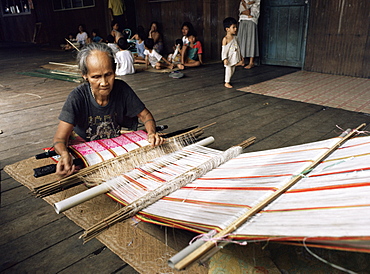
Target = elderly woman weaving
(99,108)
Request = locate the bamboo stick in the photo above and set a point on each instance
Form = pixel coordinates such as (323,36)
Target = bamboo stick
(206,247)
(72,44)
(63,64)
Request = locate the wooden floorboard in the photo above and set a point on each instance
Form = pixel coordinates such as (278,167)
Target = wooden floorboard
(36,239)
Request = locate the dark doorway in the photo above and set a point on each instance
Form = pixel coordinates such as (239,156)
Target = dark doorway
(284,32)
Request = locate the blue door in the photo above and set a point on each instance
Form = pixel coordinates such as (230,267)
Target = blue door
(284,32)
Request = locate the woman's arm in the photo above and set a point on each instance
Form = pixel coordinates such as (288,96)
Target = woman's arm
(156,36)
(183,53)
(148,120)
(65,166)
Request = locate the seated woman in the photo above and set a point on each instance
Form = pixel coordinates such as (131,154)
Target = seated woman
(139,38)
(115,31)
(186,29)
(82,37)
(102,101)
(156,36)
(192,55)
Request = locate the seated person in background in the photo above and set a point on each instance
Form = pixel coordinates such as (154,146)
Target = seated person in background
(186,29)
(124,59)
(156,36)
(192,57)
(115,31)
(111,44)
(139,38)
(154,58)
(68,46)
(101,102)
(95,36)
(82,37)
(175,57)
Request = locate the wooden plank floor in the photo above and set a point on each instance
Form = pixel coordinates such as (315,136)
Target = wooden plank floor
(34,238)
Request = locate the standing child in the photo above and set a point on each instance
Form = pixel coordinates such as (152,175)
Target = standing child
(124,59)
(154,58)
(230,53)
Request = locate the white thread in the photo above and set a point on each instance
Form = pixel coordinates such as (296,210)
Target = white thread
(325,261)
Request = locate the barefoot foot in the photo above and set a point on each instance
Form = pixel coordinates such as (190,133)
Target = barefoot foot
(227,85)
(241,63)
(249,66)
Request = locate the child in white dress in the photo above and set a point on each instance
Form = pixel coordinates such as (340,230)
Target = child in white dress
(230,54)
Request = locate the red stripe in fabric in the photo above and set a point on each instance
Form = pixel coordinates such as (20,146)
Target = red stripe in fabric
(313,208)
(232,188)
(245,177)
(328,187)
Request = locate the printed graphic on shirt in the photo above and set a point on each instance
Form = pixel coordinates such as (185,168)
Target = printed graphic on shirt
(101,128)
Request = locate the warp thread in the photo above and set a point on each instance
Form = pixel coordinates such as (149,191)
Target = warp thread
(209,237)
(325,261)
(354,130)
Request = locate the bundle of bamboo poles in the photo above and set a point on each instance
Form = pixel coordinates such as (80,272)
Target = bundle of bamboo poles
(128,160)
(165,189)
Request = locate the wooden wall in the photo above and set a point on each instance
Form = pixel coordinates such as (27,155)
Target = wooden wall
(55,25)
(206,17)
(18,28)
(338,37)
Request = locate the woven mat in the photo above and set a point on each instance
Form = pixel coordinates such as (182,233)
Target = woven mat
(141,67)
(345,92)
(136,247)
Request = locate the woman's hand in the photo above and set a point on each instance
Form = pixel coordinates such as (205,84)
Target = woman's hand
(65,166)
(155,139)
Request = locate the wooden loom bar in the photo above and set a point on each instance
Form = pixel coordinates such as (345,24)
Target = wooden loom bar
(55,186)
(202,249)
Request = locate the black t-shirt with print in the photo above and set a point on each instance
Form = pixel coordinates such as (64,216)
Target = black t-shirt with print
(92,121)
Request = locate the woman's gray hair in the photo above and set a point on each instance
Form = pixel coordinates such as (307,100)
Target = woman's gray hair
(86,51)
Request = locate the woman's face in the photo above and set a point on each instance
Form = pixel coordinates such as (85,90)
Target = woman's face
(80,28)
(100,73)
(185,30)
(153,27)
